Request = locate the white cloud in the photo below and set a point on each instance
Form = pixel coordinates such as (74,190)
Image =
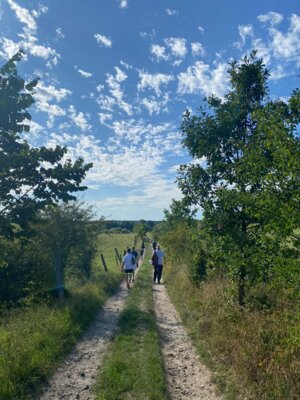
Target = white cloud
(47,93)
(153,81)
(23,15)
(159,52)
(125,65)
(197,49)
(151,105)
(200,78)
(103,40)
(115,89)
(201,29)
(106,102)
(123,4)
(177,46)
(282,48)
(272,17)
(60,33)
(103,117)
(79,119)
(83,73)
(172,12)
(154,106)
(287,46)
(244,31)
(278,72)
(29,42)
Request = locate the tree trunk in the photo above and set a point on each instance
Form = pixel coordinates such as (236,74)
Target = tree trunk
(59,274)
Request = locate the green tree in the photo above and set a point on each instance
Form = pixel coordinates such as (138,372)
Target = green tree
(249,186)
(140,229)
(65,232)
(30,178)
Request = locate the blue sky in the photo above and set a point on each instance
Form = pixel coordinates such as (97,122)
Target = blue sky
(116,76)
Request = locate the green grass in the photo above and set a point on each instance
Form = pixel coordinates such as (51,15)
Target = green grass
(34,340)
(107,242)
(134,367)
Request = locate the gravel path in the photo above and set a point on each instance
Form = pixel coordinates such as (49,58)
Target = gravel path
(187,378)
(75,377)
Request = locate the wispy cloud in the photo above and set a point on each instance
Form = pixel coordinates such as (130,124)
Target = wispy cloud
(29,41)
(60,33)
(123,3)
(103,40)
(172,12)
(272,17)
(83,73)
(24,16)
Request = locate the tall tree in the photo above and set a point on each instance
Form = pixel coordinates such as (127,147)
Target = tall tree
(251,172)
(30,177)
(62,230)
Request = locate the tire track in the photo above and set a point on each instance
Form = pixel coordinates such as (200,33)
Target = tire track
(187,378)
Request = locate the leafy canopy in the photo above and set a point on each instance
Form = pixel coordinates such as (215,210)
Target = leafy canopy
(30,177)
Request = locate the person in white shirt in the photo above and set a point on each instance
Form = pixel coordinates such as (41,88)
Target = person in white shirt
(159,267)
(128,267)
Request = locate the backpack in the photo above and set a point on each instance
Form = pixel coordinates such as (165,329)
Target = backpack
(154,258)
(132,260)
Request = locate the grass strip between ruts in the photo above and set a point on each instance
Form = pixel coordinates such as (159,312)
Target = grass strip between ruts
(134,368)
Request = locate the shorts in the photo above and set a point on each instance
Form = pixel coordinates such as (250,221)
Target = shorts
(128,271)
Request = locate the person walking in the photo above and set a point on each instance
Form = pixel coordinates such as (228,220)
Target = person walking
(135,255)
(128,267)
(160,260)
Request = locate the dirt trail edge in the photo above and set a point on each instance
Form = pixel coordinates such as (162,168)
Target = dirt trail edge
(76,375)
(187,378)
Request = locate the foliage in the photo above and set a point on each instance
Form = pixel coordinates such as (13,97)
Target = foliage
(65,233)
(249,185)
(30,178)
(140,229)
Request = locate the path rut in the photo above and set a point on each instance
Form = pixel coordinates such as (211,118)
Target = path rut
(77,374)
(187,377)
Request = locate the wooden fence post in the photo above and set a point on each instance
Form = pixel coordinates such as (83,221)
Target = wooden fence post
(103,263)
(118,255)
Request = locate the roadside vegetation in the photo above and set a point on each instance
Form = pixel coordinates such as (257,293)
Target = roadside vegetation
(133,367)
(35,338)
(235,274)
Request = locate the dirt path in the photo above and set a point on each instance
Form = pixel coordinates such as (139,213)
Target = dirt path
(75,377)
(187,378)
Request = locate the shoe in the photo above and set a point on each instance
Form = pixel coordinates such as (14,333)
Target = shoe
(158,283)
(128,286)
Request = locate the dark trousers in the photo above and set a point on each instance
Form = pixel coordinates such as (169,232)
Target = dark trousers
(157,273)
